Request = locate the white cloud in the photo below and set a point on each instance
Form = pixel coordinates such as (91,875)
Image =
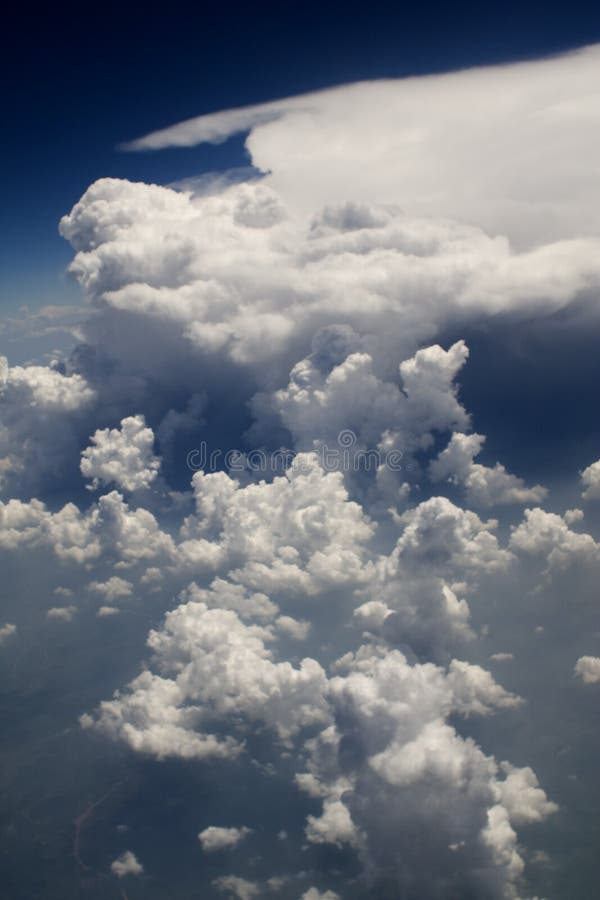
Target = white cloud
(126,864)
(475,691)
(547,535)
(298,533)
(326,615)
(471,144)
(109,526)
(216,838)
(294,628)
(372,614)
(484,486)
(387,752)
(590,479)
(43,387)
(104,612)
(7,631)
(500,837)
(522,796)
(213,129)
(114,589)
(205,284)
(62,613)
(415,594)
(451,540)
(218,667)
(44,413)
(223,594)
(240,888)
(318,404)
(314,894)
(121,456)
(588,669)
(336,403)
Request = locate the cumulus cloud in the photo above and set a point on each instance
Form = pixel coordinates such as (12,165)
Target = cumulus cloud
(44,387)
(590,479)
(522,796)
(121,456)
(588,669)
(7,631)
(114,589)
(203,284)
(126,864)
(216,670)
(416,593)
(549,536)
(240,888)
(219,667)
(297,533)
(224,594)
(44,413)
(216,838)
(314,894)
(62,613)
(319,612)
(484,486)
(105,612)
(361,729)
(383,752)
(109,526)
(320,403)
(298,630)
(450,540)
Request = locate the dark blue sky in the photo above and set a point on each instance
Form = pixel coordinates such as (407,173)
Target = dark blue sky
(79,80)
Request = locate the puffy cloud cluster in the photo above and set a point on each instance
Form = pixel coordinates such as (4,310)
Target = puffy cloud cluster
(216,838)
(114,588)
(239,888)
(366,426)
(449,539)
(43,415)
(219,668)
(62,613)
(590,479)
(417,593)
(484,486)
(325,398)
(126,864)
(109,528)
(381,728)
(390,743)
(205,285)
(322,612)
(588,669)
(122,456)
(548,536)
(299,532)
(381,739)
(523,797)
(368,732)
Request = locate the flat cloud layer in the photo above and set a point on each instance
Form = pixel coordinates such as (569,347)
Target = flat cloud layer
(317,620)
(507,148)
